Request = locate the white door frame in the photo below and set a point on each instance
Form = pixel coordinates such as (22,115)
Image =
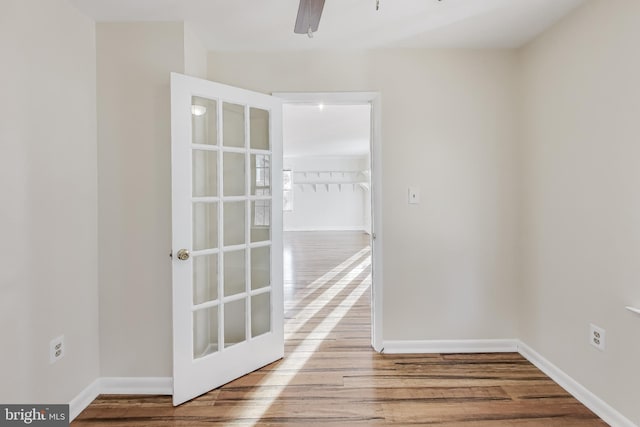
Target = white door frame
(373,99)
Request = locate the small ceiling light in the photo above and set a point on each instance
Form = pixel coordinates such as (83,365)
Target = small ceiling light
(198,110)
(321,106)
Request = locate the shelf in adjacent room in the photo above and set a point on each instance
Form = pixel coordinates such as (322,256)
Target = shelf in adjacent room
(329,179)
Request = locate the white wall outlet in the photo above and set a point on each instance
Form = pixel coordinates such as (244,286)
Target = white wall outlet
(56,349)
(414,195)
(596,337)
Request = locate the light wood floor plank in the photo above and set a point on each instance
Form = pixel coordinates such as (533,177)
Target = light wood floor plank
(330,376)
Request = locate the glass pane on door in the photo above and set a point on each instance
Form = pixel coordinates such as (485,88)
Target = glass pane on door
(234,223)
(233,125)
(205,225)
(234,273)
(204,121)
(259,129)
(205,173)
(260,220)
(205,278)
(234,174)
(260,314)
(260,267)
(205,332)
(260,175)
(234,322)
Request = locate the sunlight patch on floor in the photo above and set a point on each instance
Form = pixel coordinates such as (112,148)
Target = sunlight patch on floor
(327,296)
(325,278)
(251,412)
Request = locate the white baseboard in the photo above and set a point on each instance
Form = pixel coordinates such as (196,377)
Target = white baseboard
(577,390)
(327,228)
(136,385)
(119,385)
(451,346)
(84,399)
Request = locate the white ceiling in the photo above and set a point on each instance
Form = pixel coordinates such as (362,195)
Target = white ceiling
(267,25)
(334,130)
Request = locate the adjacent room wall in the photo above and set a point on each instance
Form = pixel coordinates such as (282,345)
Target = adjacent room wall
(449,124)
(317,208)
(134,183)
(581,200)
(48,219)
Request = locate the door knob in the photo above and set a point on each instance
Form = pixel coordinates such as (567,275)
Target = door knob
(183,254)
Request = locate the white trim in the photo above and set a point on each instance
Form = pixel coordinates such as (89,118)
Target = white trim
(326,157)
(84,399)
(119,385)
(136,385)
(327,228)
(376,223)
(373,99)
(450,346)
(330,98)
(577,390)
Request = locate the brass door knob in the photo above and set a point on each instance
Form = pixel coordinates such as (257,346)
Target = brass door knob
(183,254)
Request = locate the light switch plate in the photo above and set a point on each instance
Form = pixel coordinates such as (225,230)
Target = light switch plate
(414,195)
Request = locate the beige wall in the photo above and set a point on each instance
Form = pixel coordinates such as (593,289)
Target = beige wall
(134,184)
(48,256)
(195,54)
(134,61)
(582,203)
(449,123)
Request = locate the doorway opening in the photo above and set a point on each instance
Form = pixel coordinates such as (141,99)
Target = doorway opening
(330,228)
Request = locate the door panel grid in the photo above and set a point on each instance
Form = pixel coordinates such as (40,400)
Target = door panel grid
(226,204)
(231,168)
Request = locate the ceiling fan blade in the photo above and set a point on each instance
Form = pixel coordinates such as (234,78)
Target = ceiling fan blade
(309,13)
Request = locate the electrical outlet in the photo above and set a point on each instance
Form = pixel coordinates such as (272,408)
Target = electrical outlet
(56,349)
(596,337)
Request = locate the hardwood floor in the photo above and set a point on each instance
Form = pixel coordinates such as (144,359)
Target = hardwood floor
(331,376)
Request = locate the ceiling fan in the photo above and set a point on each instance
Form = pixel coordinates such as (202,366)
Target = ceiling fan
(308,19)
(309,13)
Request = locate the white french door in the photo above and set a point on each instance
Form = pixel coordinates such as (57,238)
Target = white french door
(226,159)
